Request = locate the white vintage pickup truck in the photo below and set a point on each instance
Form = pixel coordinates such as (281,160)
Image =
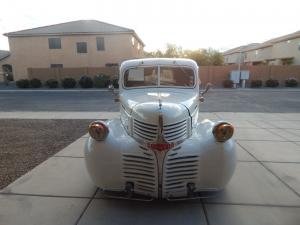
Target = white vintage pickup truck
(158,149)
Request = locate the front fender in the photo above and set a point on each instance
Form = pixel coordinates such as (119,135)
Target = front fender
(101,155)
(217,160)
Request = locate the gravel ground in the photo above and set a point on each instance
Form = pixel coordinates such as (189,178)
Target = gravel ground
(25,144)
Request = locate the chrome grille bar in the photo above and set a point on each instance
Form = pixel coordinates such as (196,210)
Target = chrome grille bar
(172,132)
(179,170)
(140,169)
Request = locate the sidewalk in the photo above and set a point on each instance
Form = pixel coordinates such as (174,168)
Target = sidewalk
(265,188)
(256,118)
(57,115)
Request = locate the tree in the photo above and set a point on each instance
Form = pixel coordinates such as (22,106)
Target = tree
(203,57)
(173,51)
(199,56)
(155,54)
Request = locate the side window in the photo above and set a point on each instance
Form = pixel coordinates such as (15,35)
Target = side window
(81,47)
(100,43)
(54,43)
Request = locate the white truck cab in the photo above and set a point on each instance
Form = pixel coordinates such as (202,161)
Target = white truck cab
(158,149)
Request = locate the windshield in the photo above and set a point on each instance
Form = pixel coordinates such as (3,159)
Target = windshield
(169,76)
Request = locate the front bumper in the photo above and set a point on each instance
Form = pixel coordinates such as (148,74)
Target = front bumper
(196,168)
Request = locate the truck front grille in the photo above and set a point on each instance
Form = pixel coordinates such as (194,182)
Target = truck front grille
(141,170)
(172,132)
(179,170)
(145,131)
(176,131)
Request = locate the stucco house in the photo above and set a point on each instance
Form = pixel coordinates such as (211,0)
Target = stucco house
(284,50)
(76,44)
(4,63)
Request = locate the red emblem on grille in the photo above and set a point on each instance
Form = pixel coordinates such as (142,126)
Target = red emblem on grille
(160,146)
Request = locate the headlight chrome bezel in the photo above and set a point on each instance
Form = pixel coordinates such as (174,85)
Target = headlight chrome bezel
(223,131)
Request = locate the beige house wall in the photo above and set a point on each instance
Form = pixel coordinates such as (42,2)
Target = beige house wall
(271,54)
(3,62)
(233,58)
(287,49)
(34,52)
(256,55)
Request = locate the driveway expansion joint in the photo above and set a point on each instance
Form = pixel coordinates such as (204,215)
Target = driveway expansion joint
(205,212)
(41,195)
(86,207)
(252,204)
(261,163)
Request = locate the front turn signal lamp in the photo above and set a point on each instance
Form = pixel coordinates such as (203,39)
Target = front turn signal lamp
(223,131)
(98,130)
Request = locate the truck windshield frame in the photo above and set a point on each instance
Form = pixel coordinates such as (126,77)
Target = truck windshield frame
(162,76)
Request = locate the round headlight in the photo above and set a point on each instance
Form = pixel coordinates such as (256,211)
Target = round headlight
(98,130)
(223,131)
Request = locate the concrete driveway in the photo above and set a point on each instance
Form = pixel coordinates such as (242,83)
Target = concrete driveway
(265,188)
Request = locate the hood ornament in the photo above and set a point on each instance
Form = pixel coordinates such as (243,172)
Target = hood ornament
(159,103)
(161,144)
(160,135)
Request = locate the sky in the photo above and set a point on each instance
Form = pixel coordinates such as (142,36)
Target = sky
(191,24)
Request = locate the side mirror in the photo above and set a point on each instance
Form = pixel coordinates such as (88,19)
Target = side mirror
(115,94)
(207,87)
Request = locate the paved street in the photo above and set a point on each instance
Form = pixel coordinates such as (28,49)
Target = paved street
(218,100)
(265,188)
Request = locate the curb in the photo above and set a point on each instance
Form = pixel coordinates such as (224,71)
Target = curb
(61,90)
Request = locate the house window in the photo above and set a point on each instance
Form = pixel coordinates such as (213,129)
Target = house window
(132,41)
(100,43)
(138,46)
(81,47)
(54,43)
(56,65)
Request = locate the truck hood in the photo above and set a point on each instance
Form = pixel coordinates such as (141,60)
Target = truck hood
(184,97)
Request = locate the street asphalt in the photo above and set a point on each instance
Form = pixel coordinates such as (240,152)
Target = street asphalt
(217,100)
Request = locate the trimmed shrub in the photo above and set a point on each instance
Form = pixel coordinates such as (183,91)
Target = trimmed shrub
(23,83)
(68,82)
(101,81)
(86,82)
(256,83)
(272,83)
(228,84)
(52,83)
(291,82)
(115,83)
(35,83)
